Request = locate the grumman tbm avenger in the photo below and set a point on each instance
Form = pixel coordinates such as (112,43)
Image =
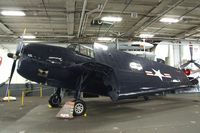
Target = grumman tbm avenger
(97,70)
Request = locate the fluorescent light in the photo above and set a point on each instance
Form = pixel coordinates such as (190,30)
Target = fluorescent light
(112,19)
(146,35)
(28,37)
(13,13)
(169,20)
(100,46)
(104,38)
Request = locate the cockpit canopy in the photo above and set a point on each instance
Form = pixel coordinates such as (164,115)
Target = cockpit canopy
(86,50)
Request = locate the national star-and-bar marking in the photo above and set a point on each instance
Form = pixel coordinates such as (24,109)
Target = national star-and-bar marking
(158,74)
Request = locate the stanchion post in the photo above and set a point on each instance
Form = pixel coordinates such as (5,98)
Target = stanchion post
(41,89)
(22,98)
(8,95)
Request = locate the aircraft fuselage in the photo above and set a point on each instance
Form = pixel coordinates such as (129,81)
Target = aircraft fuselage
(130,76)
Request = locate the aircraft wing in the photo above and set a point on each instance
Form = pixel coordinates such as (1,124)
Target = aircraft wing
(97,67)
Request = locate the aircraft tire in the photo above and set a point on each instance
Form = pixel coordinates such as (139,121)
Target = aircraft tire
(79,108)
(55,100)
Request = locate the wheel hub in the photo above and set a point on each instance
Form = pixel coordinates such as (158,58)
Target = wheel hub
(79,108)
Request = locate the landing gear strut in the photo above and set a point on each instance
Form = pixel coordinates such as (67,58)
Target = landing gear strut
(79,106)
(56,98)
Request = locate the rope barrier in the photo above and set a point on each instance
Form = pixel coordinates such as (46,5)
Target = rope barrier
(24,91)
(38,89)
(4,83)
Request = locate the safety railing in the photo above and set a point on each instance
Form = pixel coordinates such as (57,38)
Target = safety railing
(24,90)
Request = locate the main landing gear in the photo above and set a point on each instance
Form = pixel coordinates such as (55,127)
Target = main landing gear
(79,106)
(56,98)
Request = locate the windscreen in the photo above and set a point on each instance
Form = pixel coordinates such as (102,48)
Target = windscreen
(83,49)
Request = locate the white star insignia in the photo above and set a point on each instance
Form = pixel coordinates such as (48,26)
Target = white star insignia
(158,74)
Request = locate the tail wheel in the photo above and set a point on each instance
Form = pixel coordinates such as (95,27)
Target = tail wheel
(55,100)
(79,108)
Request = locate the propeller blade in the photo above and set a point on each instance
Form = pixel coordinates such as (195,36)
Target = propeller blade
(11,75)
(12,71)
(196,64)
(191,51)
(15,57)
(185,64)
(19,48)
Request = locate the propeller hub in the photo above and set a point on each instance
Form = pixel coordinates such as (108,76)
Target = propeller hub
(11,55)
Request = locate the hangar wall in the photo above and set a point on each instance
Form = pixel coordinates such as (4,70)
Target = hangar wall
(178,52)
(5,68)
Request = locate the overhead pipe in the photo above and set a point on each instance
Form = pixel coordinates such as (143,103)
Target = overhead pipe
(105,3)
(99,8)
(82,16)
(87,15)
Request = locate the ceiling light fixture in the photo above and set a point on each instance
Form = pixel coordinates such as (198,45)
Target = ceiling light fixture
(28,37)
(104,38)
(111,19)
(13,13)
(169,20)
(100,46)
(146,35)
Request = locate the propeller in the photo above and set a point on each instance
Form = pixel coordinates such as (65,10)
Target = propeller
(185,64)
(15,56)
(191,59)
(196,64)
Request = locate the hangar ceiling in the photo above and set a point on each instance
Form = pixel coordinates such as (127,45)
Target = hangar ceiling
(70,20)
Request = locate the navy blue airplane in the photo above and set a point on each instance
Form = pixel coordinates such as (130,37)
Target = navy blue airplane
(97,70)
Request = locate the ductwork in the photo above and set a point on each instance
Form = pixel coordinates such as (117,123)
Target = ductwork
(100,9)
(105,3)
(86,17)
(82,16)
(5,29)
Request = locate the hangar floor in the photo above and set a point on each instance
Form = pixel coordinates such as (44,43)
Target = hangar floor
(170,114)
